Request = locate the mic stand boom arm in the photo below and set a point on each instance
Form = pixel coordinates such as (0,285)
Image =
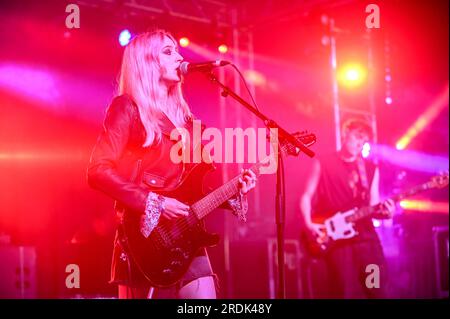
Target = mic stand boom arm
(269,123)
(283,135)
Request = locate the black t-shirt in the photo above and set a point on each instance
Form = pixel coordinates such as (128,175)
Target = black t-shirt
(340,189)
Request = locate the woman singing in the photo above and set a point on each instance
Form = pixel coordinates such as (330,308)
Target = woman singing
(132,159)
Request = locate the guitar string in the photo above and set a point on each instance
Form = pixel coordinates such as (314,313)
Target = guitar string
(183,224)
(203,204)
(362,211)
(224,193)
(162,234)
(180,226)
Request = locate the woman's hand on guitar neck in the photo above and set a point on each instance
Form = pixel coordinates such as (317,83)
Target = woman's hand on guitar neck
(174,209)
(247,181)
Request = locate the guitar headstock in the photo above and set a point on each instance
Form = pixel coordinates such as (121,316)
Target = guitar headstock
(306,138)
(439,181)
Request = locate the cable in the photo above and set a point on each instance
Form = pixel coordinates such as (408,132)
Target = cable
(246,86)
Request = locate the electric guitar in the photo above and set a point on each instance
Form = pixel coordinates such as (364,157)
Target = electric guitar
(165,255)
(341,225)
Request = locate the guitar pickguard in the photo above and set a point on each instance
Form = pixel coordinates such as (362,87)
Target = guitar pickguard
(338,228)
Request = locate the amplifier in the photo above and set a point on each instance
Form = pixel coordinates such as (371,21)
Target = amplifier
(254,269)
(17,272)
(441,254)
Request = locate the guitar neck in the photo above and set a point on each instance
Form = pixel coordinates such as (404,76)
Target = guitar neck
(220,195)
(368,211)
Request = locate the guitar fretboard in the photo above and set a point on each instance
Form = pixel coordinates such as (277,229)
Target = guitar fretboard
(369,210)
(220,195)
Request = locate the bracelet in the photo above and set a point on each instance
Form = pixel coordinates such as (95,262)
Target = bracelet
(153,208)
(239,205)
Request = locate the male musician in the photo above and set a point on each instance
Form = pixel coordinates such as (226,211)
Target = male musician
(339,182)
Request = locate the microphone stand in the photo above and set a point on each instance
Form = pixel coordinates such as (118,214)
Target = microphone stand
(283,136)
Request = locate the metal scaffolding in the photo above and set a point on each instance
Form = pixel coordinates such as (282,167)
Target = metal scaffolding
(340,112)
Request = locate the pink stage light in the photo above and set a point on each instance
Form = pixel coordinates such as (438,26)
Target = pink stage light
(388,100)
(31,82)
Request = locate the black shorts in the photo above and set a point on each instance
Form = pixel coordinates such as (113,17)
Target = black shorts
(125,272)
(200,267)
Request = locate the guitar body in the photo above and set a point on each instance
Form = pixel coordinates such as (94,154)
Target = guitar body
(165,256)
(312,247)
(340,226)
(334,228)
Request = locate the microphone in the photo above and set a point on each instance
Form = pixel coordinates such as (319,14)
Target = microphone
(186,67)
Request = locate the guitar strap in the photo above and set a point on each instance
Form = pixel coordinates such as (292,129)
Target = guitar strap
(363,178)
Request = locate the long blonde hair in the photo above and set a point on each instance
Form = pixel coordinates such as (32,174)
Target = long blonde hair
(139,78)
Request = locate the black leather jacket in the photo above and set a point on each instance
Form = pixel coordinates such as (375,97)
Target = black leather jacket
(121,168)
(125,171)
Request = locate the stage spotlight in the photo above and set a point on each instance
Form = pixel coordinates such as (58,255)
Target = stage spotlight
(401,144)
(223,48)
(413,160)
(366,150)
(424,206)
(124,37)
(388,100)
(255,78)
(184,42)
(352,75)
